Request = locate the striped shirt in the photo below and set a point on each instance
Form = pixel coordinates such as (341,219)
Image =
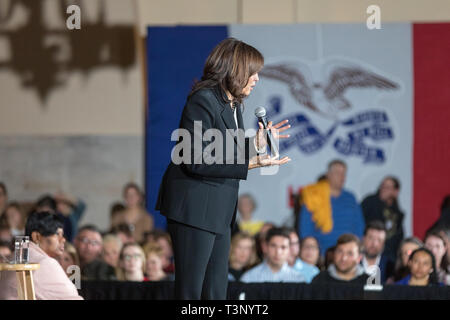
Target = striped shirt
(263,273)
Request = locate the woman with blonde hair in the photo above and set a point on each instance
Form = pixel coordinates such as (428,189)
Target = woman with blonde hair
(242,255)
(131,263)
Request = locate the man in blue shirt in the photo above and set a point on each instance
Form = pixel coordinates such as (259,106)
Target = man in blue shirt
(346,213)
(275,267)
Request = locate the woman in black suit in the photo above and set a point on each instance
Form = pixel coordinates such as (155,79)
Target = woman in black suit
(199,190)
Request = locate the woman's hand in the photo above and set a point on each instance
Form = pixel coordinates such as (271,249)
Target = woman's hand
(275,129)
(266,161)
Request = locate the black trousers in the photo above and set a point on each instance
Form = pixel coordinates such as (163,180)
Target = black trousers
(201,262)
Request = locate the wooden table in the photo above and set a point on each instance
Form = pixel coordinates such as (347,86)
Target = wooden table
(25,286)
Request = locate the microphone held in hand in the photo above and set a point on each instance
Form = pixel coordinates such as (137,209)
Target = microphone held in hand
(260,113)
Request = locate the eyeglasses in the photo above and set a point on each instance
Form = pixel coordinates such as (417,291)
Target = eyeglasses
(128,257)
(91,242)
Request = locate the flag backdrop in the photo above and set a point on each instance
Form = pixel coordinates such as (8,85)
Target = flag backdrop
(377,99)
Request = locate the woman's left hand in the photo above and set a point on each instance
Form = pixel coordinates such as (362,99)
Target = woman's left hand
(274,129)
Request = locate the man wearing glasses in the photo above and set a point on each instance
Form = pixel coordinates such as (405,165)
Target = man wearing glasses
(89,245)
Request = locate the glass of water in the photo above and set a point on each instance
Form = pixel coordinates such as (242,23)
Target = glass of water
(21,244)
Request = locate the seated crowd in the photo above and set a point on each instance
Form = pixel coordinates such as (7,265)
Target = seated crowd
(334,240)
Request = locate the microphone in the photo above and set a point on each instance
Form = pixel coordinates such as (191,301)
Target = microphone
(260,113)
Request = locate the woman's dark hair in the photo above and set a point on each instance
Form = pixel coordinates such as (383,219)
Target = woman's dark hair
(433,279)
(46,223)
(230,65)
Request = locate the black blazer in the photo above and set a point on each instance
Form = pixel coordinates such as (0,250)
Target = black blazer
(205,195)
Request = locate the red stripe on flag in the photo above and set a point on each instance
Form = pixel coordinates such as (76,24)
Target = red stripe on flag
(431,161)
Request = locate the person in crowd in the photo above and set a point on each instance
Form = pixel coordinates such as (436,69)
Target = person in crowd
(6,251)
(422,266)
(383,206)
(375,261)
(308,271)
(15,219)
(89,245)
(3,197)
(154,271)
(71,208)
(47,203)
(346,267)
(69,258)
(328,258)
(242,255)
(5,233)
(436,244)
(260,238)
(275,267)
(46,243)
(112,245)
(246,221)
(116,215)
(135,215)
(124,232)
(131,263)
(329,210)
(162,239)
(310,252)
(445,233)
(406,247)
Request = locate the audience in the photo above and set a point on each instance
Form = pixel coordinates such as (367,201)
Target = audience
(242,255)
(330,211)
(422,266)
(308,271)
(245,221)
(47,242)
(154,256)
(131,263)
(116,215)
(89,245)
(124,232)
(275,267)
(405,248)
(436,244)
(335,247)
(260,238)
(112,245)
(310,252)
(383,206)
(135,215)
(15,219)
(375,261)
(70,208)
(346,267)
(162,239)
(68,258)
